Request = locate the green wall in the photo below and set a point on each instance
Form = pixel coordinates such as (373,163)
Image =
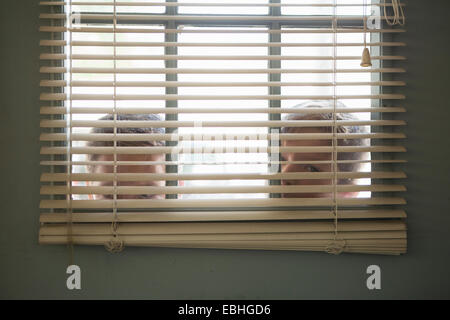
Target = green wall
(31,271)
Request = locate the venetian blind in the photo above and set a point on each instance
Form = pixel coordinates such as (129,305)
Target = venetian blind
(218,124)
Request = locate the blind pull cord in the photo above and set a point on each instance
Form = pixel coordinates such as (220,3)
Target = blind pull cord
(365,60)
(69,156)
(337,245)
(399,15)
(116,244)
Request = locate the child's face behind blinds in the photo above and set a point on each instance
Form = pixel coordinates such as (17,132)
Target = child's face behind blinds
(311,162)
(134,169)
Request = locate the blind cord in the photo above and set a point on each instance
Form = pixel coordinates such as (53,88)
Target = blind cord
(69,153)
(336,246)
(365,59)
(115,244)
(399,15)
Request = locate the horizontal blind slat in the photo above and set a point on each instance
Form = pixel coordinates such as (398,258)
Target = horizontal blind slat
(179,124)
(180,216)
(120,29)
(216,137)
(224,227)
(62,83)
(221,163)
(123,190)
(141,241)
(211,71)
(272,242)
(93,110)
(59,43)
(218,149)
(63,177)
(58,56)
(174,97)
(216,4)
(156,17)
(252,236)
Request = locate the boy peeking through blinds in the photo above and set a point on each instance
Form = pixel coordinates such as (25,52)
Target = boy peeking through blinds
(299,162)
(143,168)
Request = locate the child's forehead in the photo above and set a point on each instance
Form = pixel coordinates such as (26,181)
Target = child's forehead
(324,129)
(131,157)
(308,155)
(305,156)
(140,163)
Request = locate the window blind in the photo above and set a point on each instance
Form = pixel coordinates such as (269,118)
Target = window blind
(217,124)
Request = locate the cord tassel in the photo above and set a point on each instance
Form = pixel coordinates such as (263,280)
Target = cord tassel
(366,61)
